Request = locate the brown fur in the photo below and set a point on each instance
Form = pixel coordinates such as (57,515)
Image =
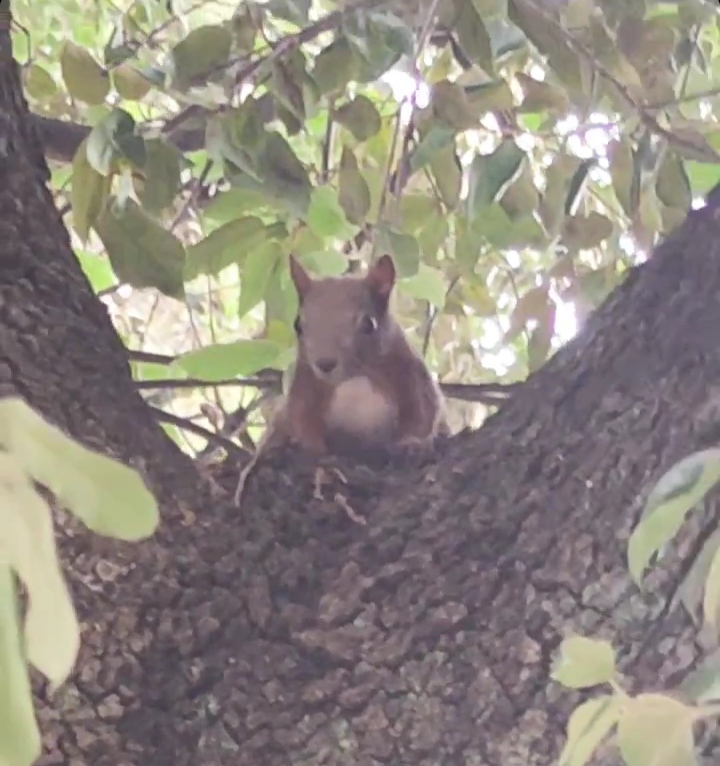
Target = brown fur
(379,393)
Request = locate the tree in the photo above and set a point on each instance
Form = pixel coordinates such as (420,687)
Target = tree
(291,631)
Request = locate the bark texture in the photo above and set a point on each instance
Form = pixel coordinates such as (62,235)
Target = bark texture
(291,633)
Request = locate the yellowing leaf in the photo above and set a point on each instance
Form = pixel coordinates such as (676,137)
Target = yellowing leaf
(20,743)
(656,729)
(588,726)
(711,600)
(38,82)
(86,80)
(129,82)
(27,544)
(584,662)
(108,497)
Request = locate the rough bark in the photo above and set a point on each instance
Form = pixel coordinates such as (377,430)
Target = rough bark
(290,633)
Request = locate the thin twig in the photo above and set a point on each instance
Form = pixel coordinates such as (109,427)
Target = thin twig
(158,385)
(188,425)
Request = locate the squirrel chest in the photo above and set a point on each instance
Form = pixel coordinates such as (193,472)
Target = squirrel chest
(360,411)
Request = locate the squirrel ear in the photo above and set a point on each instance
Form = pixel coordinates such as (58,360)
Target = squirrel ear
(301,279)
(381,277)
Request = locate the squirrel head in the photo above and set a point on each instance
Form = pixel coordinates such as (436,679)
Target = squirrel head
(343,324)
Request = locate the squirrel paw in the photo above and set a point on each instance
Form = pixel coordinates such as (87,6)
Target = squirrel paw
(322,477)
(416,451)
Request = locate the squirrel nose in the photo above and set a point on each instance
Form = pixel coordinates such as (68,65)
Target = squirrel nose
(326,365)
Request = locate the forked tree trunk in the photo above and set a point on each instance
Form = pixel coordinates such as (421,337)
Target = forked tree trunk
(291,634)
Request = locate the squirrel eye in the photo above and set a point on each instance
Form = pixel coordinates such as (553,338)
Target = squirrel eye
(368,325)
(297,326)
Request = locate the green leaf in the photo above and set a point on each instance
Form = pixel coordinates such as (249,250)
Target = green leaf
(224,361)
(678,491)
(353,191)
(403,248)
(491,174)
(584,662)
(161,173)
(142,252)
(692,144)
(257,270)
(559,176)
(447,171)
(85,79)
(625,174)
(287,87)
(656,729)
(20,743)
(325,263)
(436,140)
(588,726)
(360,117)
(97,269)
(673,185)
(584,232)
(295,11)
(114,138)
(490,96)
(335,66)
(451,106)
(379,38)
(228,205)
(540,96)
(221,248)
(473,36)
(521,198)
(38,82)
(540,343)
(325,215)
(703,177)
(427,285)
(492,224)
(89,194)
(108,497)
(203,51)
(130,83)
(282,173)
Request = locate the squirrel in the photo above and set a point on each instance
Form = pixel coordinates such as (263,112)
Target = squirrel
(357,383)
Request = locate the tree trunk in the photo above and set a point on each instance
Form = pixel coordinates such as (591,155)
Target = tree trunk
(292,633)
